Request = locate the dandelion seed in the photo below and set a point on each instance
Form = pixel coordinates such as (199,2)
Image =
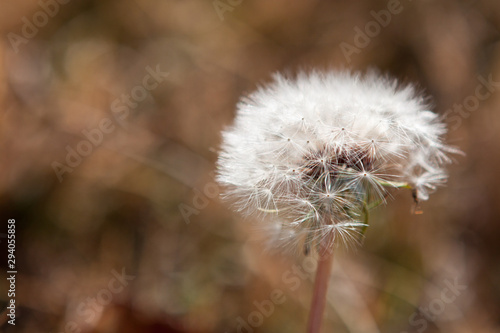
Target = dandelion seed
(328,133)
(314,153)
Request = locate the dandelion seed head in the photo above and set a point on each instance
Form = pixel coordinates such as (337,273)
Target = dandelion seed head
(312,151)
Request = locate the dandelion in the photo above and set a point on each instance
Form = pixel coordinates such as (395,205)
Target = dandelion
(312,155)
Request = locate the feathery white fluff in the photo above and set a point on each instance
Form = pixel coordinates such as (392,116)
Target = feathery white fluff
(312,153)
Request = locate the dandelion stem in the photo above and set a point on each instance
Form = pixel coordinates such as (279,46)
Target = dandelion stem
(325,263)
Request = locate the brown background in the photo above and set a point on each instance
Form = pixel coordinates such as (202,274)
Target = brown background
(120,207)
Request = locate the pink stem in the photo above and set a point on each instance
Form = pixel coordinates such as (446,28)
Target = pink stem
(325,263)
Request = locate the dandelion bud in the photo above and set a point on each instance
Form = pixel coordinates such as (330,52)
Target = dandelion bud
(313,154)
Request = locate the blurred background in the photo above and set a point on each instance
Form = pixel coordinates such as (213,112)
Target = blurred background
(110,120)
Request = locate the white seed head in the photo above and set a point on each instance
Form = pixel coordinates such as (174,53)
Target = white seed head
(313,152)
